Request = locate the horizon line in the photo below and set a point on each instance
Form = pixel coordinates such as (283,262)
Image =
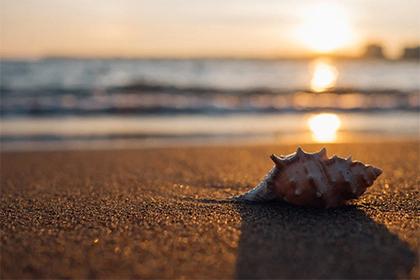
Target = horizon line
(198,57)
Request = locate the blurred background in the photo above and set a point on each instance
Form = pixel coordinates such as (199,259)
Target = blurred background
(122,73)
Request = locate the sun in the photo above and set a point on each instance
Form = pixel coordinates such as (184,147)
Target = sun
(325,28)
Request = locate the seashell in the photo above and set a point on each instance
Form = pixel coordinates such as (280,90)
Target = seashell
(313,180)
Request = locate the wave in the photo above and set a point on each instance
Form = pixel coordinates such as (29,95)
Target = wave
(148,98)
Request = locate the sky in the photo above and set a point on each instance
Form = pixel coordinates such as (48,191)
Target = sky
(204,28)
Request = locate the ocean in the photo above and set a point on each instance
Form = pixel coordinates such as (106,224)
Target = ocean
(120,103)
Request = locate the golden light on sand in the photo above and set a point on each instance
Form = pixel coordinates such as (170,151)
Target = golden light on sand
(324,76)
(325,28)
(324,127)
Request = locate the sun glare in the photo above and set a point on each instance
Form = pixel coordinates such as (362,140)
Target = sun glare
(324,76)
(325,28)
(324,127)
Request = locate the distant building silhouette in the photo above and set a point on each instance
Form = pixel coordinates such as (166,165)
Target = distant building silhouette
(374,51)
(411,53)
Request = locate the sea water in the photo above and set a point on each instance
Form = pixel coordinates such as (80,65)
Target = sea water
(85,103)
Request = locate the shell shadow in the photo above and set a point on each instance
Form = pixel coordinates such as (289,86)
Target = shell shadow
(282,241)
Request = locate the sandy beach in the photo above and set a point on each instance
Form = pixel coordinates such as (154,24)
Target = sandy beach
(162,213)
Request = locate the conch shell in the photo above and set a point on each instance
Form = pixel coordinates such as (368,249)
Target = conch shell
(313,180)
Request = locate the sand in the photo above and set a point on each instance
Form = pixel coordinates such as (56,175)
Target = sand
(160,213)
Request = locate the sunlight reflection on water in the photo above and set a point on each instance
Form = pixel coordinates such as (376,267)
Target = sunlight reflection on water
(324,127)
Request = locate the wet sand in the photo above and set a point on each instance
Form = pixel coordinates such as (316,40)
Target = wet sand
(161,213)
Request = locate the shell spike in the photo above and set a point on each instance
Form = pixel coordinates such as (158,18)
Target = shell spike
(332,160)
(299,152)
(349,159)
(323,153)
(277,161)
(376,171)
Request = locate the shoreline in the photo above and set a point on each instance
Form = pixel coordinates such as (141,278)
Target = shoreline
(186,142)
